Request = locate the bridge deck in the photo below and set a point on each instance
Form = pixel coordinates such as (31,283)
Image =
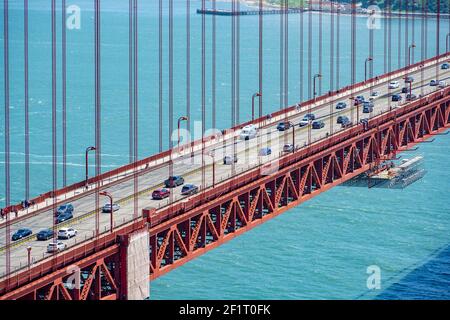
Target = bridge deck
(152,176)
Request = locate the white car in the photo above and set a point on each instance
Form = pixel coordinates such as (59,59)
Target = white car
(442,84)
(248,132)
(67,233)
(56,246)
(394,85)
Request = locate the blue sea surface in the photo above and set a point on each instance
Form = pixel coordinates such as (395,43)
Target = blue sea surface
(318,250)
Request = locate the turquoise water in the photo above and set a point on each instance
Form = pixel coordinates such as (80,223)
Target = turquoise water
(320,249)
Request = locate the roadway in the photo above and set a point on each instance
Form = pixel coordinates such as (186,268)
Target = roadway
(190,168)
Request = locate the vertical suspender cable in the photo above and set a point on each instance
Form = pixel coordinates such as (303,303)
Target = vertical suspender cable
(160,114)
(331,63)
(54,142)
(320,45)
(26,101)
(203,88)
(338,44)
(213,71)
(233,76)
(399,40)
(300,32)
(438,32)
(353,57)
(7,146)
(309,65)
(407,43)
(136,108)
(188,63)
(260,65)
(98,116)
(238,59)
(281,69)
(64,90)
(130,80)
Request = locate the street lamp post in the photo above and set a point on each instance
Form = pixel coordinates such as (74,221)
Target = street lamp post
(111,218)
(316,76)
(365,67)
(213,167)
(412,46)
(356,103)
(87,163)
(293,138)
(29,256)
(182,118)
(257,94)
(446,42)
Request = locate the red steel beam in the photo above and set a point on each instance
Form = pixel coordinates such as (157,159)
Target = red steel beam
(206,226)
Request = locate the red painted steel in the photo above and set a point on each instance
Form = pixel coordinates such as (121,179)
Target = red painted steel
(186,230)
(182,233)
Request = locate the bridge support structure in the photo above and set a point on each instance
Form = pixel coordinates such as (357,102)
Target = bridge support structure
(180,234)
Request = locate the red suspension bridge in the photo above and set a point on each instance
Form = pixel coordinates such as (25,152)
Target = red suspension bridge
(239,177)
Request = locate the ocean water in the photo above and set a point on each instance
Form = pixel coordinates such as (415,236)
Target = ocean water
(319,250)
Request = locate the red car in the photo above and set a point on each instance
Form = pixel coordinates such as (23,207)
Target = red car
(160,194)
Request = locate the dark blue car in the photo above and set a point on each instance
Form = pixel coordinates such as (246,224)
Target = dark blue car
(64,217)
(65,208)
(318,124)
(189,189)
(445,66)
(45,234)
(368,107)
(397,97)
(341,105)
(21,233)
(341,119)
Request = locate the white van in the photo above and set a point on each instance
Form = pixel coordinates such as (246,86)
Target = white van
(248,132)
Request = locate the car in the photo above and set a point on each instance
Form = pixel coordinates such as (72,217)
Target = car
(174,181)
(445,66)
(442,84)
(160,194)
(396,97)
(265,151)
(341,105)
(346,123)
(318,124)
(45,234)
(375,94)
(405,90)
(433,83)
(394,85)
(56,246)
(368,107)
(229,159)
(340,119)
(248,132)
(107,207)
(68,207)
(67,233)
(21,233)
(64,217)
(65,208)
(409,79)
(411,97)
(288,147)
(307,119)
(189,189)
(282,126)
